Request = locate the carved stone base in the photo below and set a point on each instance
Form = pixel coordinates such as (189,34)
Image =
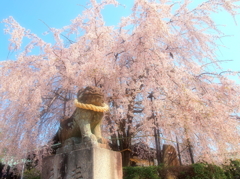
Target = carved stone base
(86,162)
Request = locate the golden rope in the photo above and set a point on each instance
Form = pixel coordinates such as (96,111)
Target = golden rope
(91,106)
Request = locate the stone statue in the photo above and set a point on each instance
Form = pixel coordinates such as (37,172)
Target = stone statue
(84,153)
(85,122)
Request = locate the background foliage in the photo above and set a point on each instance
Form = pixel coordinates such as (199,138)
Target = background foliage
(194,171)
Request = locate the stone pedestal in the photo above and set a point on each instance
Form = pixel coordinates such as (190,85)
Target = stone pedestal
(85,162)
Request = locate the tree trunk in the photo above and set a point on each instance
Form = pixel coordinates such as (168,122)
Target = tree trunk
(190,151)
(126,155)
(158,149)
(179,154)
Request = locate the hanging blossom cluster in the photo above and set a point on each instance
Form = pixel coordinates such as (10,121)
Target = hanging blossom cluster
(163,48)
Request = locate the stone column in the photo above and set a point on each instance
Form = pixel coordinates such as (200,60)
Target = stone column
(84,162)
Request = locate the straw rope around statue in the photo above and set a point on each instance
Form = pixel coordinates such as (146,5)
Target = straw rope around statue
(92,107)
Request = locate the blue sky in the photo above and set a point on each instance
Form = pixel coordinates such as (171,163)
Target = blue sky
(59,13)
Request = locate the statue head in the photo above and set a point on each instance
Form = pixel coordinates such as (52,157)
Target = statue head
(91,95)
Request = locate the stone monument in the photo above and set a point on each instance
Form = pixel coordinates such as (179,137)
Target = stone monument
(169,156)
(84,154)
